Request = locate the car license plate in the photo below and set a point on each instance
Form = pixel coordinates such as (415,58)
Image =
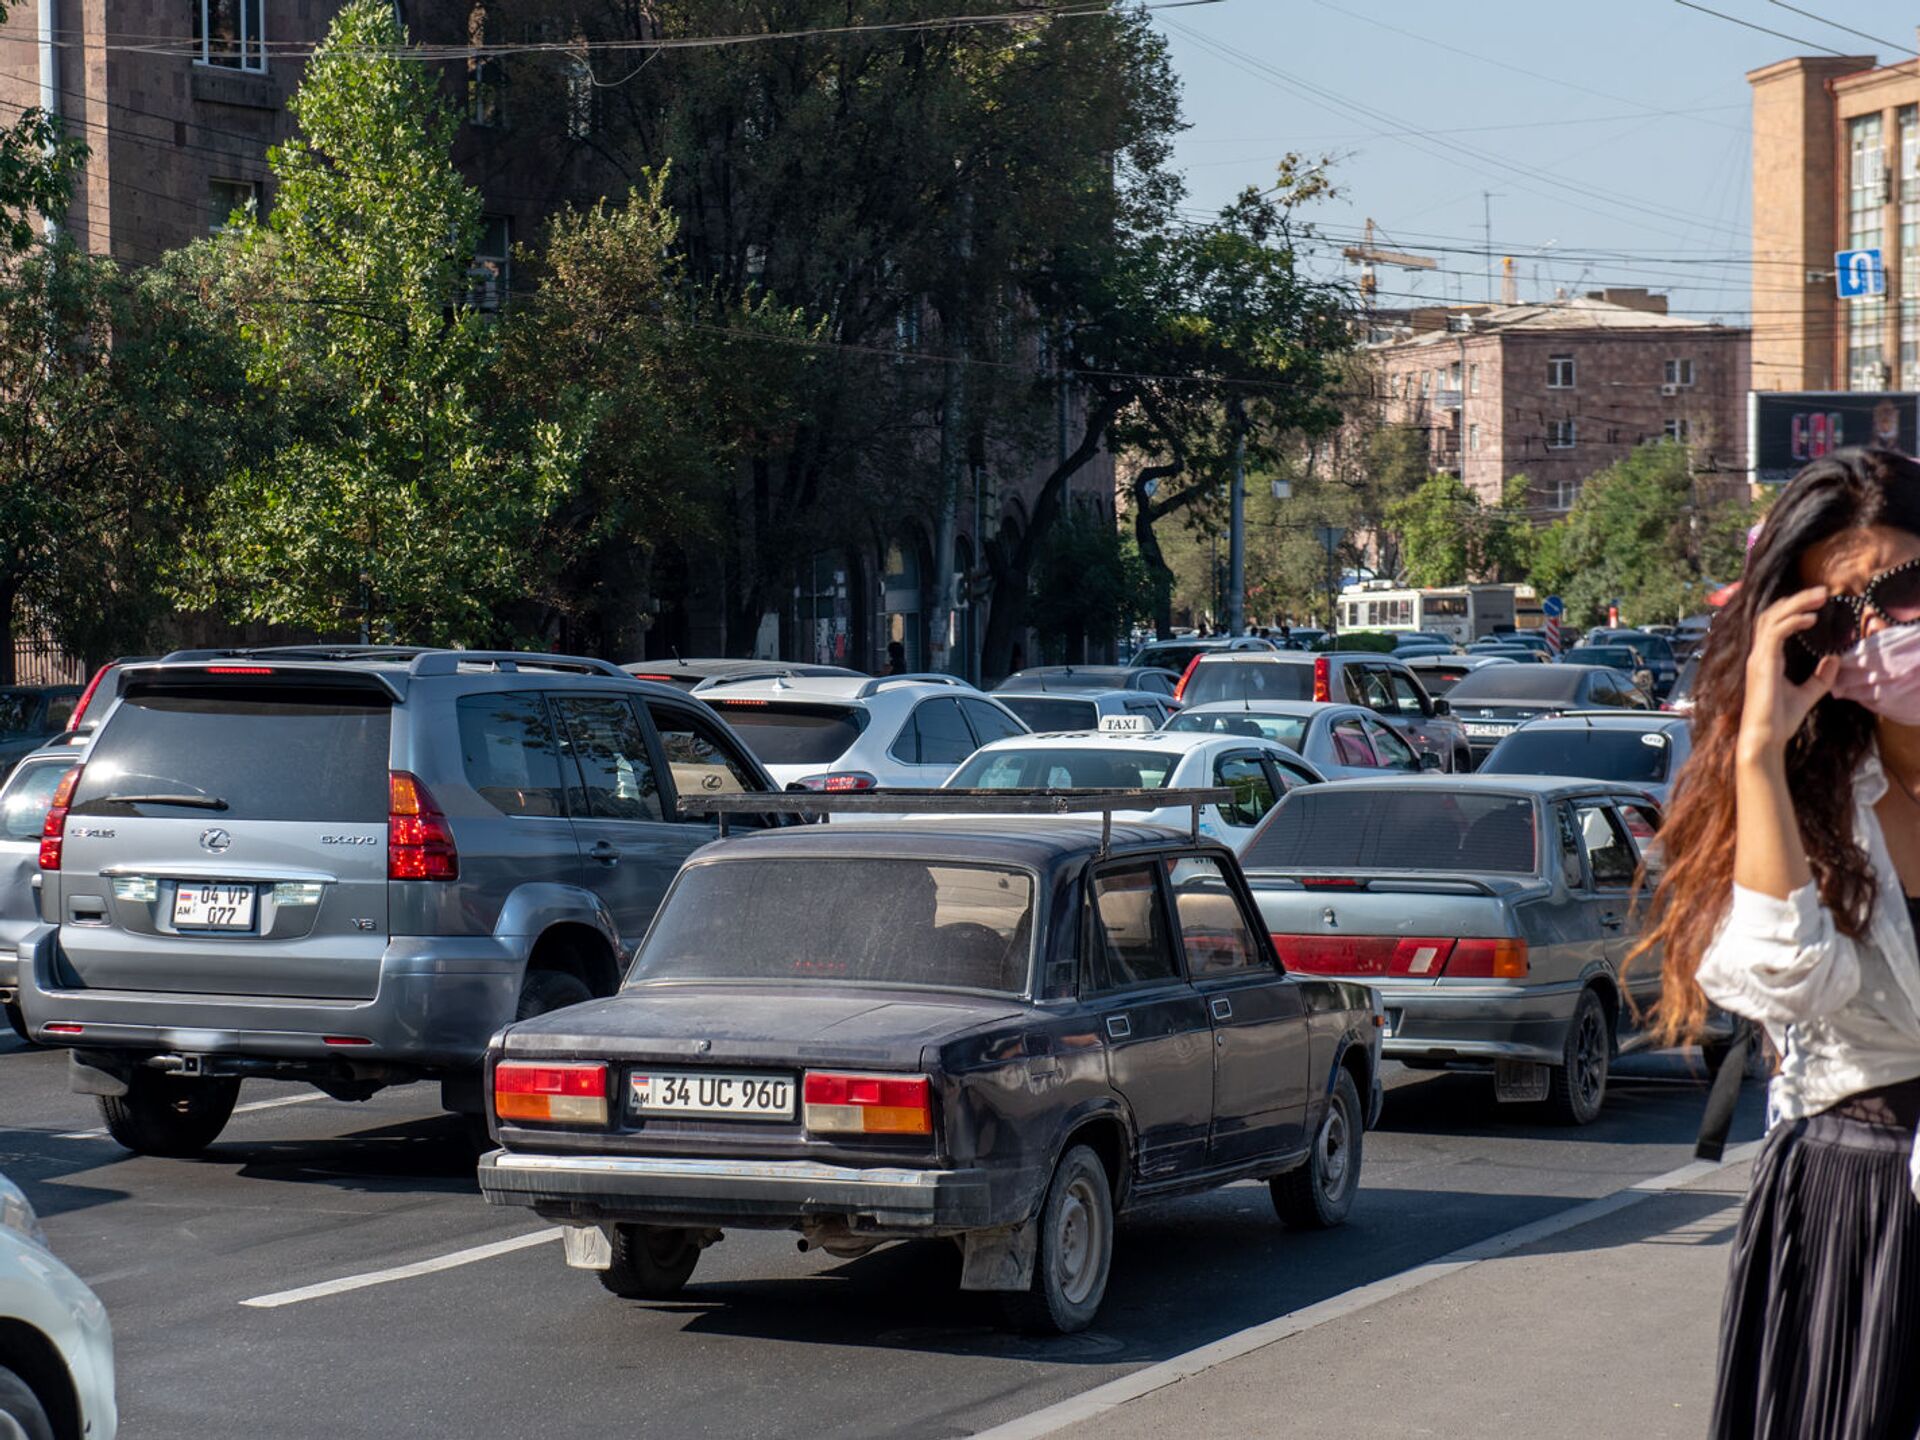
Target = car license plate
(1489,730)
(213,907)
(711,1092)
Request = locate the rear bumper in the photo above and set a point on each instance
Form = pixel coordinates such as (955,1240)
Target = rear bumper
(437,1002)
(761,1194)
(1482,1023)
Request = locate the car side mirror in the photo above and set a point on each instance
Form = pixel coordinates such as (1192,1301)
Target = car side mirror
(1429,761)
(1442,707)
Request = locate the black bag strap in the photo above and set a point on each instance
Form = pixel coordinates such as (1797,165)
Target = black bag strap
(1724,1096)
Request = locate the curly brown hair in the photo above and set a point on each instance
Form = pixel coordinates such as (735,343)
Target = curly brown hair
(1847,490)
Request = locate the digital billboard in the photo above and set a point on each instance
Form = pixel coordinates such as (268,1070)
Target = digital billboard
(1787,428)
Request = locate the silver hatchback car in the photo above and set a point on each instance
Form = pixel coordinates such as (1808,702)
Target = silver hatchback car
(1493,913)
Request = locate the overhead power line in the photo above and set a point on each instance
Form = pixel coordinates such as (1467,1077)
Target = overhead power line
(1764,30)
(1890,44)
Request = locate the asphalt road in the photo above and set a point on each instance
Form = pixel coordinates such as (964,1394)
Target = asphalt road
(765,1341)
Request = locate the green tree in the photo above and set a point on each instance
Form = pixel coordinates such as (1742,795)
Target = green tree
(1436,527)
(393,503)
(1088,583)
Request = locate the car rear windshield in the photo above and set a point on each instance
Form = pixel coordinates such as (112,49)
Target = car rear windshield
(1439,682)
(1168,657)
(873,922)
(1518,682)
(1426,829)
(1287,730)
(784,733)
(1105,768)
(1615,656)
(1638,757)
(29,796)
(1249,680)
(19,714)
(1050,714)
(241,752)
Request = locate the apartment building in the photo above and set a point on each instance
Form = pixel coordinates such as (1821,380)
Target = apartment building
(1558,390)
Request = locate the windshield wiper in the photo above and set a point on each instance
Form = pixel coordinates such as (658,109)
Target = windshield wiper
(197,802)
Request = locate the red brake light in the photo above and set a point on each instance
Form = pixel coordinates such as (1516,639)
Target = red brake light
(1322,679)
(1488,960)
(1410,957)
(1180,690)
(54,828)
(742,702)
(419,844)
(64,1028)
(835,784)
(547,1091)
(86,697)
(662,678)
(239,670)
(867,1104)
(1330,882)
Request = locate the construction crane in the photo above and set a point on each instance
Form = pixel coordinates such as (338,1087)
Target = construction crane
(1366,255)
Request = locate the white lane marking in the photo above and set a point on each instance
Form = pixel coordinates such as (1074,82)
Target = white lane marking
(101,1134)
(1115,1393)
(402,1272)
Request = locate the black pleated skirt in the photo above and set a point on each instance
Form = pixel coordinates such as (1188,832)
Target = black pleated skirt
(1819,1331)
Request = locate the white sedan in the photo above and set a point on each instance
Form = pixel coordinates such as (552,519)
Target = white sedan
(1342,742)
(56,1348)
(1258,771)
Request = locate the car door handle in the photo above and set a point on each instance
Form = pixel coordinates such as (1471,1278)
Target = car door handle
(1222,1008)
(1119,1027)
(605,851)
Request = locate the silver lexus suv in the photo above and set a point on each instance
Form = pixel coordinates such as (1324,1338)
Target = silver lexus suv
(350,867)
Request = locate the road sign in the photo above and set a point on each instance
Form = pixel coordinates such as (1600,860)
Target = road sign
(1858,274)
(1553,607)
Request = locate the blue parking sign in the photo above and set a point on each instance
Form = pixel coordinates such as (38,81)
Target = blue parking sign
(1858,273)
(1553,607)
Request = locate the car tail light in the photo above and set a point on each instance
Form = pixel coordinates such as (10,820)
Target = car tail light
(1180,690)
(1331,882)
(1412,957)
(1322,679)
(86,697)
(738,703)
(62,1027)
(663,679)
(555,1093)
(239,670)
(837,783)
(1488,960)
(867,1104)
(54,827)
(342,1040)
(419,844)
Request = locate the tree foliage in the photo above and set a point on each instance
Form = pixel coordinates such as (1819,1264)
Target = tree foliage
(1088,583)
(1446,536)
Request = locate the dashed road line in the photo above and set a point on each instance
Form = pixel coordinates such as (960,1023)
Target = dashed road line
(402,1272)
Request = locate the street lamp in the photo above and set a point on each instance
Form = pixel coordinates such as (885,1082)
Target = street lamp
(1330,537)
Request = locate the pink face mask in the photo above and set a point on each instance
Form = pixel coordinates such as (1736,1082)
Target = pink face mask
(1882,673)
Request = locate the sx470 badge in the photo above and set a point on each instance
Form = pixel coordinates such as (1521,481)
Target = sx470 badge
(349,839)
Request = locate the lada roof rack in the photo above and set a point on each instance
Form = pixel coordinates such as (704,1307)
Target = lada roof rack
(959,802)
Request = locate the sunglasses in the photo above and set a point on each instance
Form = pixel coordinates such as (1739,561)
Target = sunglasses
(1893,595)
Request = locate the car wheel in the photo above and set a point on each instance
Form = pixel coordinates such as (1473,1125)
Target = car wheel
(1577,1087)
(173,1115)
(545,990)
(650,1262)
(19,1404)
(1318,1194)
(1074,1253)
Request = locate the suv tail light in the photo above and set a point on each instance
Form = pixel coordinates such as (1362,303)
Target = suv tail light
(544,1091)
(1488,960)
(1180,690)
(419,844)
(838,782)
(1322,679)
(867,1104)
(86,697)
(54,827)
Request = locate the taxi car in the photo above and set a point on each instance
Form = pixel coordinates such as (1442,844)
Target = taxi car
(1002,1031)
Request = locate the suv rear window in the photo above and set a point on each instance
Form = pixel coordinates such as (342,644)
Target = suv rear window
(787,734)
(1249,680)
(1050,714)
(1427,829)
(280,752)
(894,922)
(1638,757)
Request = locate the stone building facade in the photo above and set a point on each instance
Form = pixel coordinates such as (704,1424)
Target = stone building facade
(1557,391)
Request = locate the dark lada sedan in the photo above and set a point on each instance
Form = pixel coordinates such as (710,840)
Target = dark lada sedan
(999,1031)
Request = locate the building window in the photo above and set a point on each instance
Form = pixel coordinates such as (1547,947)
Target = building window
(1560,435)
(1681,430)
(580,99)
(1473,439)
(1426,383)
(1866,224)
(492,268)
(1566,494)
(485,94)
(1560,372)
(230,34)
(224,197)
(1473,379)
(1453,376)
(1679,372)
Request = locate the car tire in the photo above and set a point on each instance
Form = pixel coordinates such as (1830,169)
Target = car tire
(1318,1194)
(1577,1086)
(19,1404)
(545,990)
(1074,1252)
(176,1116)
(650,1262)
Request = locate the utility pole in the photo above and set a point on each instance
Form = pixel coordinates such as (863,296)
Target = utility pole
(1237,525)
(49,86)
(1486,220)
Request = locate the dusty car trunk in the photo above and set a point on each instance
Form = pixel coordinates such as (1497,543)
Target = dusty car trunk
(1386,926)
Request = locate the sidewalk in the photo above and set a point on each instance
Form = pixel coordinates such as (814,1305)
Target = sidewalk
(1607,1329)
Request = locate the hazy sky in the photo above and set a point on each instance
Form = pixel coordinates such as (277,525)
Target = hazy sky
(1614,137)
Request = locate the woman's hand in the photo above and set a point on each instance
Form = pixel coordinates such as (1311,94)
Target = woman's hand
(1775,706)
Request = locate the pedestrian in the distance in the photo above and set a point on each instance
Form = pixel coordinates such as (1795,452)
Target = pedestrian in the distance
(1791,897)
(896,658)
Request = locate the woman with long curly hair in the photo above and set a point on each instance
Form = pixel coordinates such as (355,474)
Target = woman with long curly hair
(1791,897)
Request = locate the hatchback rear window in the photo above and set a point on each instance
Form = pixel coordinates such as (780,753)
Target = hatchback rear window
(1050,714)
(1106,768)
(1519,682)
(894,922)
(1287,730)
(29,797)
(241,753)
(1636,757)
(789,734)
(1249,680)
(1427,829)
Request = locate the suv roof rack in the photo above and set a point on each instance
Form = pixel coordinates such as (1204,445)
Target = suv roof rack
(448,662)
(874,686)
(959,802)
(295,652)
